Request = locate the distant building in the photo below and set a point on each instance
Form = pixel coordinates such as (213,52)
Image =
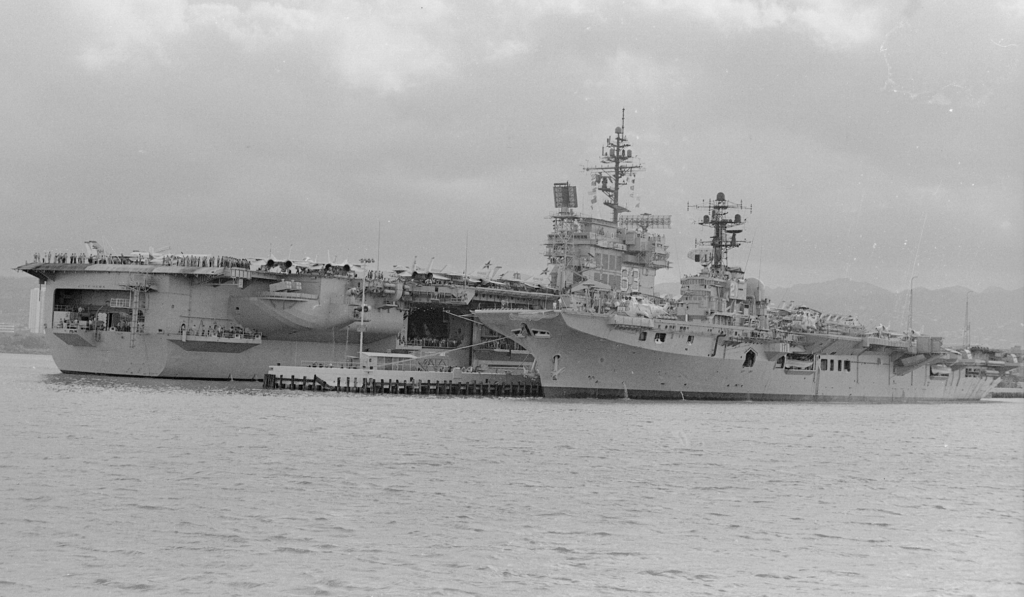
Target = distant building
(35,309)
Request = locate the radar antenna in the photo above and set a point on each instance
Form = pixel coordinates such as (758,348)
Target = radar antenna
(719,219)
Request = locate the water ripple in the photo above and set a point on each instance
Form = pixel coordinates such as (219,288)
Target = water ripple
(155,486)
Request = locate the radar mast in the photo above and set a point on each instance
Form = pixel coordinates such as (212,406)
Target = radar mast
(616,169)
(720,221)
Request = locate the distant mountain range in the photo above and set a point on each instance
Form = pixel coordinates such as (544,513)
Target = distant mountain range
(997,315)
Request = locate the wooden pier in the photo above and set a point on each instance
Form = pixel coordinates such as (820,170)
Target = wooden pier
(373,381)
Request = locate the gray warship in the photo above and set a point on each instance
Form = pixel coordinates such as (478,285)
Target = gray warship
(721,339)
(194,316)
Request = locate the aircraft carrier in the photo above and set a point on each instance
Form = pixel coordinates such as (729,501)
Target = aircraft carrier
(215,317)
(721,338)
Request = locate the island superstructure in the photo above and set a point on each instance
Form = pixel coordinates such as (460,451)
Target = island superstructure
(606,254)
(721,339)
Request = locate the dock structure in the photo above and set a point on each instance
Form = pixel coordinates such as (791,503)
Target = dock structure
(383,381)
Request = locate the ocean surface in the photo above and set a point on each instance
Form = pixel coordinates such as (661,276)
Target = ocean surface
(118,486)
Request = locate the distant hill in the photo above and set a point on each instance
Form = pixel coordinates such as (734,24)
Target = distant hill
(997,315)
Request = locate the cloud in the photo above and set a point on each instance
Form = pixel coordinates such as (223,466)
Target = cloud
(840,24)
(636,74)
(833,23)
(953,53)
(388,47)
(369,47)
(505,50)
(1012,8)
(302,120)
(258,27)
(387,52)
(125,31)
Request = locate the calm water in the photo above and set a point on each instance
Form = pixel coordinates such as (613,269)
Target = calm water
(123,486)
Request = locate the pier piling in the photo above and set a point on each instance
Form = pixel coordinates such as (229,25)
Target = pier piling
(368,382)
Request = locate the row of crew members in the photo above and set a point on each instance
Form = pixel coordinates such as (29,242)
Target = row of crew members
(51,257)
(204,261)
(173,260)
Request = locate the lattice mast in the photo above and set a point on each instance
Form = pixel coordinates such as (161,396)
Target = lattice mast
(723,238)
(560,239)
(617,166)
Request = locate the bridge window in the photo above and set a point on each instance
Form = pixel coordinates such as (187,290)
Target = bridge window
(659,338)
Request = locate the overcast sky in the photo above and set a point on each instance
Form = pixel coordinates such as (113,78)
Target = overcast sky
(875,140)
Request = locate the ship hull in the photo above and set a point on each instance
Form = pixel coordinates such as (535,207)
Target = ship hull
(152,355)
(200,317)
(585,355)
